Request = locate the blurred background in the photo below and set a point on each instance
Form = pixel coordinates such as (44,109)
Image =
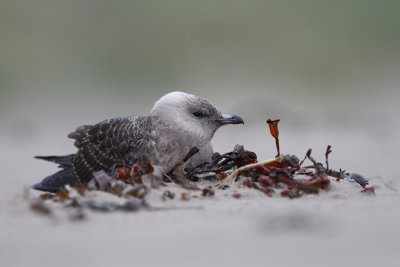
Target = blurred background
(328,69)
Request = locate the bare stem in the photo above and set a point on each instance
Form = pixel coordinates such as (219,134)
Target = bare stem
(277,146)
(232,176)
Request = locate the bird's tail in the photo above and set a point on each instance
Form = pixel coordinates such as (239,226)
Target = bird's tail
(63,161)
(58,180)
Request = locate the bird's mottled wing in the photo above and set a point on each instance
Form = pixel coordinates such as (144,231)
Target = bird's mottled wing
(109,142)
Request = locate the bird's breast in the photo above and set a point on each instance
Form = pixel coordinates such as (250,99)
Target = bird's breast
(170,147)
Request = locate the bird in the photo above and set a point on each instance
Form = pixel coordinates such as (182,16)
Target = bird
(177,122)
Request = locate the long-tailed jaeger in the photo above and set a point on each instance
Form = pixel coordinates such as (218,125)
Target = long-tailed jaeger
(176,123)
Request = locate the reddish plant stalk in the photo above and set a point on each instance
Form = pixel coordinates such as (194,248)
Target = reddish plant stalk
(273,129)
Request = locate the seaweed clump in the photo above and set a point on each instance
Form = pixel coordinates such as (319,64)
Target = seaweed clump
(284,175)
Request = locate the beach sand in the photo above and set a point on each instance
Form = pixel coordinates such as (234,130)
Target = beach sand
(339,227)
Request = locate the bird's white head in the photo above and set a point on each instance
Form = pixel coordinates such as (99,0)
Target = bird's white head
(191,115)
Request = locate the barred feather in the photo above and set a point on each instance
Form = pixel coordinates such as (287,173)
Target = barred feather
(108,143)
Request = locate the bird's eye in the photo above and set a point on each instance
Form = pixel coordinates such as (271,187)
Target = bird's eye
(197,114)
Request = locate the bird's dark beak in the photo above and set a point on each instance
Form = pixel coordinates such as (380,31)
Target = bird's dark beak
(228,119)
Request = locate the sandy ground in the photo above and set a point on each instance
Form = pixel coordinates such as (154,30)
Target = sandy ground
(340,227)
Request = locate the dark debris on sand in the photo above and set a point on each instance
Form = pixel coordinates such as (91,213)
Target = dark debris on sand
(283,175)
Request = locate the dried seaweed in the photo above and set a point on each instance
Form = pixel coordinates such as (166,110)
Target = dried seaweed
(283,175)
(273,129)
(328,151)
(237,158)
(283,172)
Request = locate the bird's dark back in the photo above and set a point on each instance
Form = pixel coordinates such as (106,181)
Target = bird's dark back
(110,142)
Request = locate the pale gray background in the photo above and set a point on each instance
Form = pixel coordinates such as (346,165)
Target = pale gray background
(330,70)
